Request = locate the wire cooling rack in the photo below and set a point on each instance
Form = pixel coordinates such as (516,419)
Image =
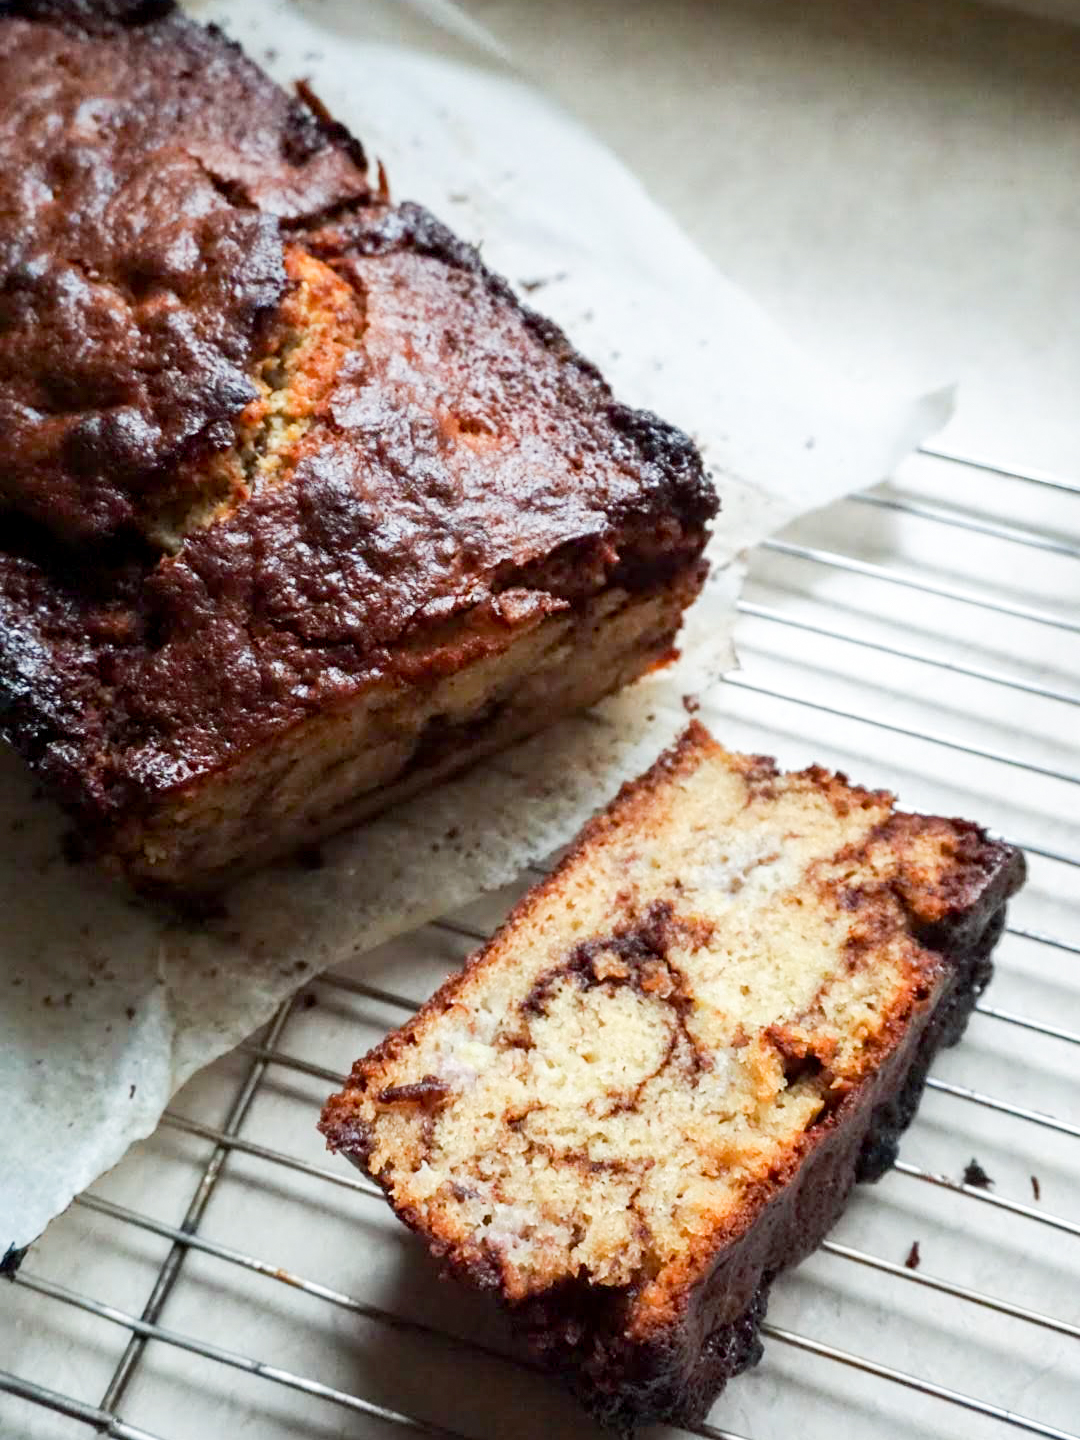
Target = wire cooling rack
(228,1278)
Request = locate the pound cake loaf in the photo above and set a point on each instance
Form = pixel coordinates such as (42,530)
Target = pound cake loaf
(656,1085)
(299,508)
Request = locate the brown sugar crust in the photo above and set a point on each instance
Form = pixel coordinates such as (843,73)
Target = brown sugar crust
(656,1085)
(271,442)
(149,172)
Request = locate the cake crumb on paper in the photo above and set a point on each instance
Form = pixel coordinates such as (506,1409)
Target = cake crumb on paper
(975,1175)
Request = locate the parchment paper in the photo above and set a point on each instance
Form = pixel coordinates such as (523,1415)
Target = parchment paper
(109,1004)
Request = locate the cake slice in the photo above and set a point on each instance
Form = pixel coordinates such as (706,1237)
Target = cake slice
(656,1085)
(300,509)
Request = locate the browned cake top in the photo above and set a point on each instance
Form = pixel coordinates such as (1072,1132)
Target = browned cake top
(310,426)
(147,171)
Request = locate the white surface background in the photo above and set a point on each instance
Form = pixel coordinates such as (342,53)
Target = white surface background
(896,181)
(897,184)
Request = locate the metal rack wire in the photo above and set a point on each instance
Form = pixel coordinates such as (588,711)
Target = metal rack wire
(269,1054)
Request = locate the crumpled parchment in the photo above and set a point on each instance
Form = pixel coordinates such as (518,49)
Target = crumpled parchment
(108,1004)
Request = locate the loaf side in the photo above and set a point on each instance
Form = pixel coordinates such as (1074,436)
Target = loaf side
(294,488)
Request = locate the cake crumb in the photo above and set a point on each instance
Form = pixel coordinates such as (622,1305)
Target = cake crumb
(531,286)
(12,1260)
(914,1259)
(1035,1187)
(691,704)
(975,1175)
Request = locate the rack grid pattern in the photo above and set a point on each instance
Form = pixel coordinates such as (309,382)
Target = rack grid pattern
(270,1054)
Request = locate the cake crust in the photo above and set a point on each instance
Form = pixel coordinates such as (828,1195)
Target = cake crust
(147,171)
(656,1085)
(276,449)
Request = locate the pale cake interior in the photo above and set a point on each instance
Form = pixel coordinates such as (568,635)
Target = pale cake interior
(321,320)
(647,1041)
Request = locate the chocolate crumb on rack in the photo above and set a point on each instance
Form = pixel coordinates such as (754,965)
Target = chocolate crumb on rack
(11,1260)
(975,1175)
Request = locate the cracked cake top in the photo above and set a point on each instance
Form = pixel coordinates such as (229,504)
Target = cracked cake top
(148,172)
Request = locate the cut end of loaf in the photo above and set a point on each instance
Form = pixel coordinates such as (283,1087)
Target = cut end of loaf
(664,1030)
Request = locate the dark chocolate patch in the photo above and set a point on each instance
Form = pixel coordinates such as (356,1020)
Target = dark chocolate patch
(196,912)
(73,847)
(427,1092)
(975,1175)
(11,1261)
(801,1067)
